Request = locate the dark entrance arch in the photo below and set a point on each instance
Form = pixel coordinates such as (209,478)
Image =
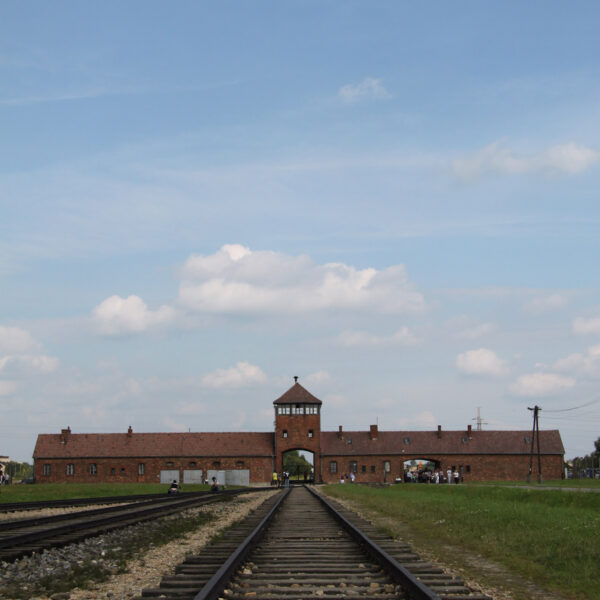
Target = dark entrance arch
(300,464)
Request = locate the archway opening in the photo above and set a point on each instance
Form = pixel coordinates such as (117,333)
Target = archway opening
(300,465)
(422,470)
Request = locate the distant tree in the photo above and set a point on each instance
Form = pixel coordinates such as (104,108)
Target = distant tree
(18,470)
(295,464)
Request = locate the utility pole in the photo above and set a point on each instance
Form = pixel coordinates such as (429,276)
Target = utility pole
(535,436)
(479,420)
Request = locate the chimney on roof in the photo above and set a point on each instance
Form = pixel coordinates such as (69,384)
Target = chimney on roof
(340,432)
(129,431)
(469,430)
(64,434)
(295,378)
(439,433)
(373,432)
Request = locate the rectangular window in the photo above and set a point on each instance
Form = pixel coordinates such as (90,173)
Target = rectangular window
(372,468)
(93,469)
(284,433)
(363,468)
(333,467)
(70,469)
(46,470)
(141,468)
(387,467)
(468,468)
(353,466)
(311,433)
(298,409)
(112,470)
(312,409)
(284,410)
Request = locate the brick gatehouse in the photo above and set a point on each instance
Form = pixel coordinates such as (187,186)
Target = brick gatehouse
(251,458)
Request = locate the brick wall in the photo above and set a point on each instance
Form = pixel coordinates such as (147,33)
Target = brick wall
(296,437)
(474,467)
(125,470)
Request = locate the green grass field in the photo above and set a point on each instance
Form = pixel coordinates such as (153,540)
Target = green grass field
(57,491)
(563,483)
(552,537)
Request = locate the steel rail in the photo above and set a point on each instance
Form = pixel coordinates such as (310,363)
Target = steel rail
(65,502)
(400,574)
(216,584)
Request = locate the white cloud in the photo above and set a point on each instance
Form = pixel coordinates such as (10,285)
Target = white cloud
(481,362)
(585,326)
(16,341)
(422,420)
(237,280)
(318,378)
(476,331)
(122,316)
(587,364)
(29,362)
(546,304)
(570,158)
(8,387)
(541,384)
(368,88)
(361,338)
(242,375)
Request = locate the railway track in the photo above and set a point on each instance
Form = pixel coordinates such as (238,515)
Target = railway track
(21,537)
(6,507)
(298,545)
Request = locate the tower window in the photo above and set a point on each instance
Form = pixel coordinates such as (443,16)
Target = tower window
(284,433)
(311,433)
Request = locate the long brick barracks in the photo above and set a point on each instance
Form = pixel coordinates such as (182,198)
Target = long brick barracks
(251,458)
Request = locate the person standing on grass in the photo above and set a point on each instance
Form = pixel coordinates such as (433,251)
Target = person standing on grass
(352,477)
(449,474)
(456,476)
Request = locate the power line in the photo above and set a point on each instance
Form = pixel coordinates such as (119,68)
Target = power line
(573,407)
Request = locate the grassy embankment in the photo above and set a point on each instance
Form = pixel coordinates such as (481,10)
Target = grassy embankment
(56,491)
(551,537)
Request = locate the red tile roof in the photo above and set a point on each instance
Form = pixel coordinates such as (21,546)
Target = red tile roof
(297,395)
(427,442)
(83,445)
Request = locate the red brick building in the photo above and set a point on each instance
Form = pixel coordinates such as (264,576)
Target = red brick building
(373,455)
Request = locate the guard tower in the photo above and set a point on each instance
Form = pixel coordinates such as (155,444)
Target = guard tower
(298,425)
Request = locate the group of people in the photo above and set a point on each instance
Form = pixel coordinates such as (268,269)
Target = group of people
(174,487)
(279,480)
(345,477)
(437,476)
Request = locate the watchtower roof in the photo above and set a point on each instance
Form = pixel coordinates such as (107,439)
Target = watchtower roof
(297,395)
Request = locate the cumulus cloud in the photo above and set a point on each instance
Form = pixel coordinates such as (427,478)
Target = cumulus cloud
(368,88)
(541,384)
(586,364)
(16,341)
(569,158)
(585,326)
(241,375)
(238,280)
(481,362)
(361,338)
(117,316)
(546,304)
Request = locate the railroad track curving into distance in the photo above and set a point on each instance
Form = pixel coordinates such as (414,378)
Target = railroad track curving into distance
(21,537)
(299,545)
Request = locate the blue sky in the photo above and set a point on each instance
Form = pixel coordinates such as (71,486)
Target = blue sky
(397,203)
